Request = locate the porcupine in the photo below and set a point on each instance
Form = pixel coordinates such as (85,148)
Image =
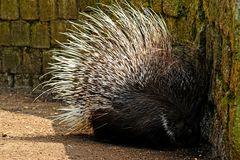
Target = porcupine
(119,73)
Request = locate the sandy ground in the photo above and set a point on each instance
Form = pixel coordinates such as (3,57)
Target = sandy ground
(27,132)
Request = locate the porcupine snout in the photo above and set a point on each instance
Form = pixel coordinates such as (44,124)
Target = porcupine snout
(186,132)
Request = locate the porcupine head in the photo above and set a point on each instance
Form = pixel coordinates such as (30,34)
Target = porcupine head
(118,73)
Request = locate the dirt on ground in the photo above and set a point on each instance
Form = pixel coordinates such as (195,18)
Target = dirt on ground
(28,132)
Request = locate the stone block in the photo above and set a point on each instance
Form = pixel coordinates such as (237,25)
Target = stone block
(57,28)
(47,10)
(3,80)
(235,128)
(156,5)
(29,9)
(26,80)
(20,32)
(67,9)
(46,60)
(32,61)
(1,61)
(35,81)
(40,35)
(170,8)
(171,24)
(107,2)
(235,71)
(21,80)
(9,9)
(142,3)
(174,8)
(226,60)
(183,31)
(83,5)
(5,38)
(10,79)
(11,60)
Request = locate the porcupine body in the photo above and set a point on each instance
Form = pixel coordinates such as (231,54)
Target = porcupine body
(119,74)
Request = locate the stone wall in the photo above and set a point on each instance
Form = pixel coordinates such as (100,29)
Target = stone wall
(223,46)
(214,26)
(30,28)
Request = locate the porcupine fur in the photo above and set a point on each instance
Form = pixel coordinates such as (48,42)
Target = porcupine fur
(119,74)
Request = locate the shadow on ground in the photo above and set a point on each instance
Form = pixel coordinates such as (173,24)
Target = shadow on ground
(27,132)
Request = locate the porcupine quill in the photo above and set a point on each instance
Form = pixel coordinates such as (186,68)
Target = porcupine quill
(119,74)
